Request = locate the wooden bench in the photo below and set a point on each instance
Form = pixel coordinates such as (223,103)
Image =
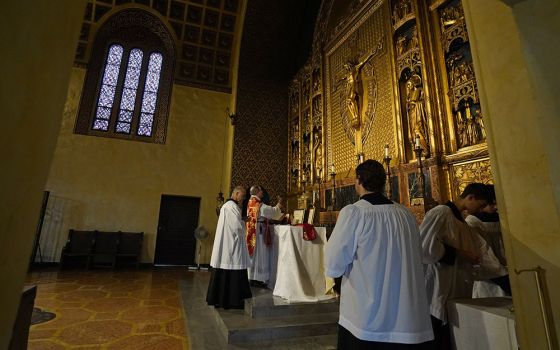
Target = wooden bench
(101,248)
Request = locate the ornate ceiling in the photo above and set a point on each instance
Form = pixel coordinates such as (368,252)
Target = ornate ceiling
(204,33)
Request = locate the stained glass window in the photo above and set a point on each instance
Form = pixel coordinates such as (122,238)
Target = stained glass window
(128,82)
(108,88)
(127,115)
(130,88)
(149,100)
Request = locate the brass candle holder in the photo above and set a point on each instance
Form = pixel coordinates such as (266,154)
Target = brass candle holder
(387,161)
(319,180)
(333,175)
(421,180)
(360,158)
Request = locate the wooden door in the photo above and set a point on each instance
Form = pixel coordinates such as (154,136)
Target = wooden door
(175,242)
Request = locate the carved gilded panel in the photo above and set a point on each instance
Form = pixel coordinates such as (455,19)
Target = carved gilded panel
(366,41)
(466,112)
(473,171)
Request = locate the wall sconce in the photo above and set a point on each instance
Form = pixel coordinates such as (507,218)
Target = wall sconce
(232,116)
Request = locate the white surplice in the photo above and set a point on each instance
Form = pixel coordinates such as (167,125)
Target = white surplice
(491,233)
(443,281)
(230,250)
(259,270)
(376,248)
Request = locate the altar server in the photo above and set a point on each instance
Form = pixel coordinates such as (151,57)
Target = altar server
(375,247)
(487,224)
(230,259)
(450,249)
(259,236)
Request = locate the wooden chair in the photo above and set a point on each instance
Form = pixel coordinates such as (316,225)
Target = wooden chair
(130,247)
(105,249)
(78,247)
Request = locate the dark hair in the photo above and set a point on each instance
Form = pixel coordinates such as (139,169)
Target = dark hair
(266,196)
(371,175)
(480,192)
(491,194)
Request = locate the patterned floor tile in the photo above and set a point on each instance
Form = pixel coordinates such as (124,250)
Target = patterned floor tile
(148,342)
(95,332)
(137,310)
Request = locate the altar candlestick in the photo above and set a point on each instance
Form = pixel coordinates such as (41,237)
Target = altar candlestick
(360,158)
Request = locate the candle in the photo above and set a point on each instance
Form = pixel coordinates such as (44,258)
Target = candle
(303,178)
(417,145)
(386,151)
(332,168)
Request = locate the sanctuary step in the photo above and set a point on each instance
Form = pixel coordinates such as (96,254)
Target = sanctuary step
(319,342)
(267,318)
(264,304)
(238,328)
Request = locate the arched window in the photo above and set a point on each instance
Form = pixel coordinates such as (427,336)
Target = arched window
(128,84)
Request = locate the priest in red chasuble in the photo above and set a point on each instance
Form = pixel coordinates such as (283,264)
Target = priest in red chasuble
(259,236)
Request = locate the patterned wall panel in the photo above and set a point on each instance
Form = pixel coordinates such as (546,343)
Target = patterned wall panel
(266,66)
(382,130)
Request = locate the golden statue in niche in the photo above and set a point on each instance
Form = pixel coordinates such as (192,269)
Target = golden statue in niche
(401,9)
(450,15)
(318,156)
(405,44)
(416,112)
(470,127)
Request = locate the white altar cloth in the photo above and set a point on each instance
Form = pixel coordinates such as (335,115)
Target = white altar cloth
(482,324)
(297,266)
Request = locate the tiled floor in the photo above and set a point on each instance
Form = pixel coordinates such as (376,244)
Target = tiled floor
(99,309)
(151,309)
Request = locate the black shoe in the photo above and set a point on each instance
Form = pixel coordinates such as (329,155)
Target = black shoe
(257,284)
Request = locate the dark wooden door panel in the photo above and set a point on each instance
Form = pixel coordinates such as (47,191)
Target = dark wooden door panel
(175,242)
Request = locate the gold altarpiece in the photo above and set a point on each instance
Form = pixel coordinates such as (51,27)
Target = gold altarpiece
(386,72)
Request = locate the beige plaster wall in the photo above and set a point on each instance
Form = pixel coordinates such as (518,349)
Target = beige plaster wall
(515,53)
(117,184)
(38,40)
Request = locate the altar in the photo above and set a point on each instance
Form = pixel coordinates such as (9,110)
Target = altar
(482,324)
(297,267)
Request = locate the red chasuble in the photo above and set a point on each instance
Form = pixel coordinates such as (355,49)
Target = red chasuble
(253,209)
